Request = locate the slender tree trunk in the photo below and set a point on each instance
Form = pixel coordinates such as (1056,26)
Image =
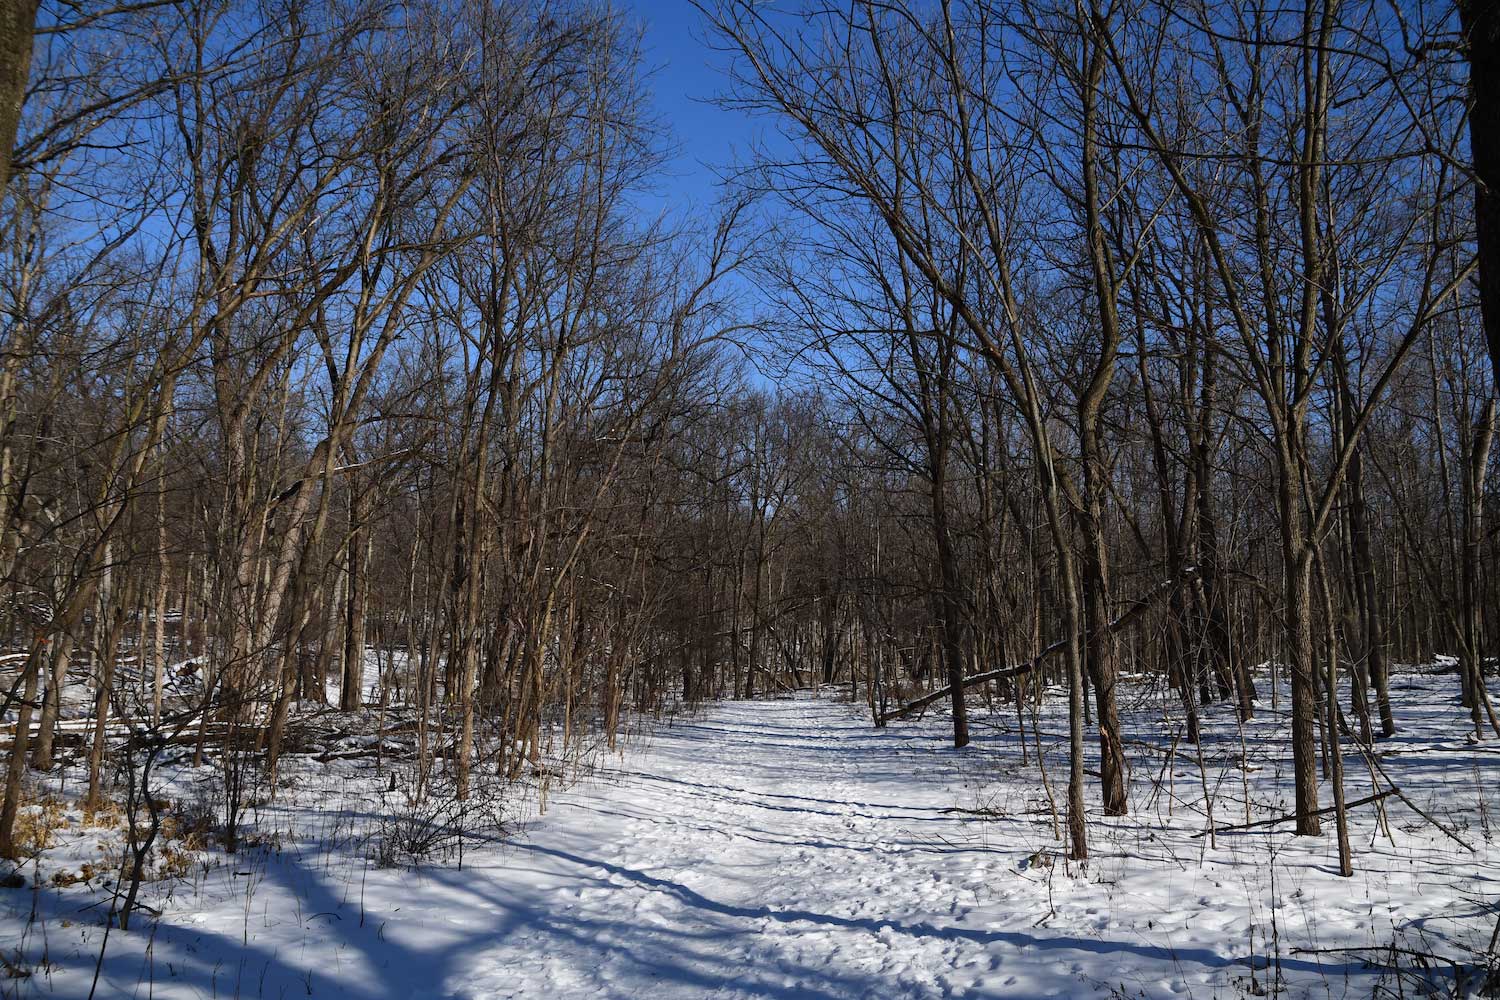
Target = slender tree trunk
(950,624)
(1099,639)
(1331,707)
(828,615)
(1377,657)
(351,691)
(106,682)
(159,622)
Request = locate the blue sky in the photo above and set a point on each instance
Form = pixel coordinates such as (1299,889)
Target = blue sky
(685,75)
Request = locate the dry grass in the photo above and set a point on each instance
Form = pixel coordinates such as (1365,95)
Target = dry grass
(37,824)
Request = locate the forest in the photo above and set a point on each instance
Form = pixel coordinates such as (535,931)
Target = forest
(1099,391)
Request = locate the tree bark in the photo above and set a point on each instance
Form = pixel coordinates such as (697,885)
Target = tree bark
(17,25)
(1480,20)
(351,691)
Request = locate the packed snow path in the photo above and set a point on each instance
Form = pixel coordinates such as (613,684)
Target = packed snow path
(786,849)
(772,849)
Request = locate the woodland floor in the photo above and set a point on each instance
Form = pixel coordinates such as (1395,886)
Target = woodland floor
(787,849)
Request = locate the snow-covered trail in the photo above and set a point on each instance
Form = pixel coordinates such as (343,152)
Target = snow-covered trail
(771,849)
(786,849)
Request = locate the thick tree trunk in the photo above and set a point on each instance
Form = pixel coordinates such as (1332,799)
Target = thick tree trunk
(1299,637)
(15,772)
(1476,464)
(1101,655)
(1481,26)
(17,24)
(41,754)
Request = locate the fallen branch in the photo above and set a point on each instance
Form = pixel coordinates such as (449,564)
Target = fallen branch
(1395,789)
(1128,616)
(1291,816)
(970,681)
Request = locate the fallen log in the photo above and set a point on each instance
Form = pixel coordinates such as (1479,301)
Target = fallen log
(1291,816)
(970,681)
(1125,618)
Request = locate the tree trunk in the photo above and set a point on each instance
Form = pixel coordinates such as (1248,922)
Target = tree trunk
(1299,636)
(17,24)
(62,652)
(1476,464)
(1481,25)
(351,690)
(950,623)
(16,769)
(1377,658)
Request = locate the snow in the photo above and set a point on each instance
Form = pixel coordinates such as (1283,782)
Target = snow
(787,849)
